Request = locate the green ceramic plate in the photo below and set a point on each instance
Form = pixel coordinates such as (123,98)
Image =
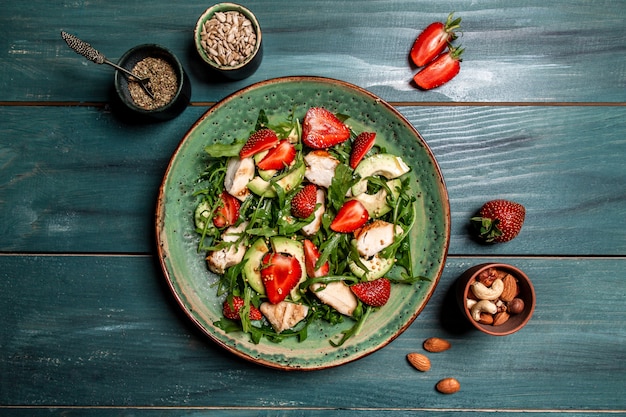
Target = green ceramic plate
(232,118)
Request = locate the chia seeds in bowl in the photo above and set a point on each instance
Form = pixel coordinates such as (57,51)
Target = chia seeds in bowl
(169,84)
(163,83)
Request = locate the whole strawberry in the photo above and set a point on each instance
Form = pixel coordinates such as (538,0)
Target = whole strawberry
(499,220)
(303,203)
(232,312)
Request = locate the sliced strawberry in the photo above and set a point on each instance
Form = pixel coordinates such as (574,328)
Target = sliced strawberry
(228,211)
(279,157)
(433,40)
(280,273)
(444,68)
(362,144)
(303,203)
(261,140)
(311,256)
(374,293)
(232,312)
(351,215)
(321,129)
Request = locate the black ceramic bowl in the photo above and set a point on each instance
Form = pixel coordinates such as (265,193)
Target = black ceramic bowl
(126,89)
(234,70)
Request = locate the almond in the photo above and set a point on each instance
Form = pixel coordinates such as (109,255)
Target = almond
(510,290)
(485,318)
(500,318)
(448,386)
(419,361)
(436,344)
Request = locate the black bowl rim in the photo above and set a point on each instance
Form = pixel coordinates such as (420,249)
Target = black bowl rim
(163,52)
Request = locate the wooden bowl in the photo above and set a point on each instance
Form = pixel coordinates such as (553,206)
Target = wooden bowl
(516,320)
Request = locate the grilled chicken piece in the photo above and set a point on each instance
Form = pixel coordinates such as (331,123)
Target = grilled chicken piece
(231,255)
(375,237)
(284,315)
(320,167)
(239,172)
(337,295)
(312,228)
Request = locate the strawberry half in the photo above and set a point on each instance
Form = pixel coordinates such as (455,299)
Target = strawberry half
(438,72)
(280,273)
(228,211)
(362,144)
(311,256)
(433,40)
(261,140)
(232,312)
(321,129)
(351,215)
(278,157)
(374,293)
(499,220)
(303,203)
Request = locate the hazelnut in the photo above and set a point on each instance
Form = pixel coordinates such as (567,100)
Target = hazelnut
(515,306)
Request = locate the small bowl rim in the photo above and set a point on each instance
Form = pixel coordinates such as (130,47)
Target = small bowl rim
(466,279)
(178,67)
(225,7)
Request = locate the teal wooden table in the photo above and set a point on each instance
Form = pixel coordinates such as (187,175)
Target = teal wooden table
(537,115)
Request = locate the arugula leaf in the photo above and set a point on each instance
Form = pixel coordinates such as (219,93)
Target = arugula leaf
(261,121)
(339,186)
(224,150)
(354,330)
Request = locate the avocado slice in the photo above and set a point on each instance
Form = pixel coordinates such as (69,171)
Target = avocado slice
(376,267)
(266,174)
(387,165)
(282,244)
(291,180)
(252,264)
(376,204)
(202,214)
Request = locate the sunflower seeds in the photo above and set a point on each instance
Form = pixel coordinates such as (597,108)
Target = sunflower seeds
(228,38)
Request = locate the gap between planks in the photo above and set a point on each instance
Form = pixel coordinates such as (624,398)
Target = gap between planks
(392,103)
(265,408)
(454,256)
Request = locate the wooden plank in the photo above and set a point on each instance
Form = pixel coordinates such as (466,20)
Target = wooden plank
(262,412)
(522,50)
(79,180)
(79,177)
(103,331)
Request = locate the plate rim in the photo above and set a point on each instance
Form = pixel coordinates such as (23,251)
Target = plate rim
(160,216)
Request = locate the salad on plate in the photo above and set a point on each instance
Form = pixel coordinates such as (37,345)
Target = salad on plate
(304,221)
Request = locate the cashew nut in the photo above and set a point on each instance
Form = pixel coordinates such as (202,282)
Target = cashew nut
(483,306)
(470,303)
(483,292)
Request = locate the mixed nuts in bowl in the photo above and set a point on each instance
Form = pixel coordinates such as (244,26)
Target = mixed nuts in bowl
(497,299)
